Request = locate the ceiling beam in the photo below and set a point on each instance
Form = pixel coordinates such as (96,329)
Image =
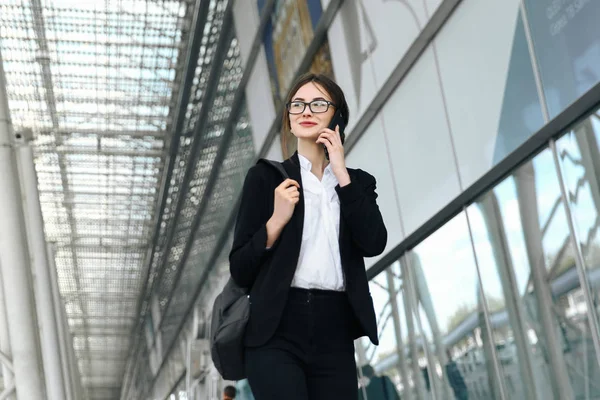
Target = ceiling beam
(199,11)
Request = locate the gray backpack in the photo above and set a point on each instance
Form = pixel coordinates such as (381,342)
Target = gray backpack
(230,314)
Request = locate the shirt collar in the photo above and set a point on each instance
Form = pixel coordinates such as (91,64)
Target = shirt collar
(306,165)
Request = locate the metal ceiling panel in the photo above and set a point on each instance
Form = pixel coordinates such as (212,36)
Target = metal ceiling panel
(96,82)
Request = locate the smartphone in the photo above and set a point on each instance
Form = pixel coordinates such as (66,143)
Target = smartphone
(336,120)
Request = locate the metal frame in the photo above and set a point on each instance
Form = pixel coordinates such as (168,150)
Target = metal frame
(497,237)
(81,134)
(320,34)
(419,45)
(318,37)
(34,226)
(579,260)
(202,138)
(14,261)
(561,375)
(200,127)
(537,142)
(498,384)
(94,131)
(393,293)
(227,135)
(191,61)
(413,306)
(8,373)
(409,312)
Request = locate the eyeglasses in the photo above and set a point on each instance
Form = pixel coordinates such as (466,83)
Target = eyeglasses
(316,106)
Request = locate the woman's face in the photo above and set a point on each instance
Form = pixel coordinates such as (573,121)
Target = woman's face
(308,125)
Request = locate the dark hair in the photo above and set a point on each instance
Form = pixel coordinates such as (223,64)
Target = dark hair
(332,89)
(368,371)
(230,391)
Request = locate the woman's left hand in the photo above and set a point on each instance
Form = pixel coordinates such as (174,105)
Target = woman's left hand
(333,142)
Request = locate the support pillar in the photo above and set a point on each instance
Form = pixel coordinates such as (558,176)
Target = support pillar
(402,367)
(512,297)
(16,279)
(7,373)
(361,354)
(423,296)
(409,309)
(34,226)
(527,198)
(61,328)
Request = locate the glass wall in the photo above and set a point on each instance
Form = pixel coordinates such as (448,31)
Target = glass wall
(566,37)
(492,305)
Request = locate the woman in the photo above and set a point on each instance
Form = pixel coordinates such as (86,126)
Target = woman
(299,246)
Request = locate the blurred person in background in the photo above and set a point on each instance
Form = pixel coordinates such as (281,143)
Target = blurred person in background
(229,393)
(377,387)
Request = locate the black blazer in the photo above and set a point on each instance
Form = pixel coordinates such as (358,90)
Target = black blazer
(269,273)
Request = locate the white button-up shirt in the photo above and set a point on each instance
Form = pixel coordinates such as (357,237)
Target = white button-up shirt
(319,264)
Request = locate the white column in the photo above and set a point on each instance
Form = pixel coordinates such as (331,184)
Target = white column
(423,296)
(34,226)
(60,326)
(402,367)
(7,375)
(14,262)
(528,208)
(496,231)
(409,309)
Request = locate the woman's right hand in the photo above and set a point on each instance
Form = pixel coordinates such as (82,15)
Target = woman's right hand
(287,195)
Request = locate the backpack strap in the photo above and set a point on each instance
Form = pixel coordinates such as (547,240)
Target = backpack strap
(277,165)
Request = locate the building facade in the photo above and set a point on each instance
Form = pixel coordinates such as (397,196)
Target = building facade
(480,121)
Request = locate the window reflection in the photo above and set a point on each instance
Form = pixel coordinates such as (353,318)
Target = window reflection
(389,365)
(522,332)
(521,238)
(445,287)
(508,286)
(579,158)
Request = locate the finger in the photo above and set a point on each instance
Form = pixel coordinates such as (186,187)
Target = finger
(325,135)
(326,142)
(291,189)
(289,182)
(333,137)
(325,139)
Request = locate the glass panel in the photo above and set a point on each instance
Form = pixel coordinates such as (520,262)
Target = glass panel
(490,114)
(579,157)
(425,179)
(505,275)
(286,39)
(566,35)
(446,290)
(387,367)
(540,330)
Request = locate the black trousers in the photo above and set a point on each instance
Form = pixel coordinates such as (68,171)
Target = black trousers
(311,355)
